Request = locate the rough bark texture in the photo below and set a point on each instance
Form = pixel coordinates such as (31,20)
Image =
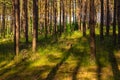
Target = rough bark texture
(92,29)
(35,24)
(25,19)
(102,20)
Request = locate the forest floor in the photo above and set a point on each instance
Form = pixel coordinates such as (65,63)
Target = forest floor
(68,58)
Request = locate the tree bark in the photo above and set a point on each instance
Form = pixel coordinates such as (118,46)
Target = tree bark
(3,19)
(108,18)
(92,29)
(35,25)
(16,13)
(25,18)
(102,20)
(114,22)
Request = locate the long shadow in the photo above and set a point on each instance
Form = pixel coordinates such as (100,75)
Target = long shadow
(112,59)
(80,56)
(108,47)
(114,65)
(53,72)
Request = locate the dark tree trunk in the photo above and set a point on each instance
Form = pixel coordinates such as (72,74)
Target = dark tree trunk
(118,18)
(35,25)
(114,22)
(13,23)
(60,17)
(108,18)
(3,19)
(63,15)
(70,16)
(55,17)
(25,18)
(102,20)
(79,13)
(46,29)
(92,29)
(85,17)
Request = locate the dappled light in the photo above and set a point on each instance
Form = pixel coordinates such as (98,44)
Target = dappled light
(59,40)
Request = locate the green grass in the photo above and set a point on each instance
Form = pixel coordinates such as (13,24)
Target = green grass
(65,59)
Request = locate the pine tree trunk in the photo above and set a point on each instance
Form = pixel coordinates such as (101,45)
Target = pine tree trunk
(102,20)
(108,19)
(3,19)
(92,29)
(118,18)
(25,18)
(114,22)
(35,25)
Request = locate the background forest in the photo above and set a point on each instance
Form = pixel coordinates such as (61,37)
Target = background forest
(59,39)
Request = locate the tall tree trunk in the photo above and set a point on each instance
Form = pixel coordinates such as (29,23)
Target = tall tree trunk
(92,29)
(102,20)
(35,25)
(85,17)
(63,15)
(46,29)
(55,17)
(13,23)
(25,18)
(70,16)
(114,22)
(3,19)
(108,18)
(60,17)
(118,18)
(16,13)
(79,14)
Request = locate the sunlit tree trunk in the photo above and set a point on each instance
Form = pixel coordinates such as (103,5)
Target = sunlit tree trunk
(35,25)
(16,13)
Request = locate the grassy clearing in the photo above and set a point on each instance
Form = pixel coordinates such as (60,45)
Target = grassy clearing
(66,59)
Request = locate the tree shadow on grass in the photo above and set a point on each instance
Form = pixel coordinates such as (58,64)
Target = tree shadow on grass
(105,52)
(53,72)
(112,59)
(80,56)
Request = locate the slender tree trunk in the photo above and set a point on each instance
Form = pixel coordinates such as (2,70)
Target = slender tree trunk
(114,22)
(92,29)
(85,17)
(60,18)
(13,23)
(25,18)
(35,25)
(46,29)
(79,14)
(70,16)
(108,18)
(63,16)
(118,18)
(16,13)
(3,19)
(102,20)
(55,18)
